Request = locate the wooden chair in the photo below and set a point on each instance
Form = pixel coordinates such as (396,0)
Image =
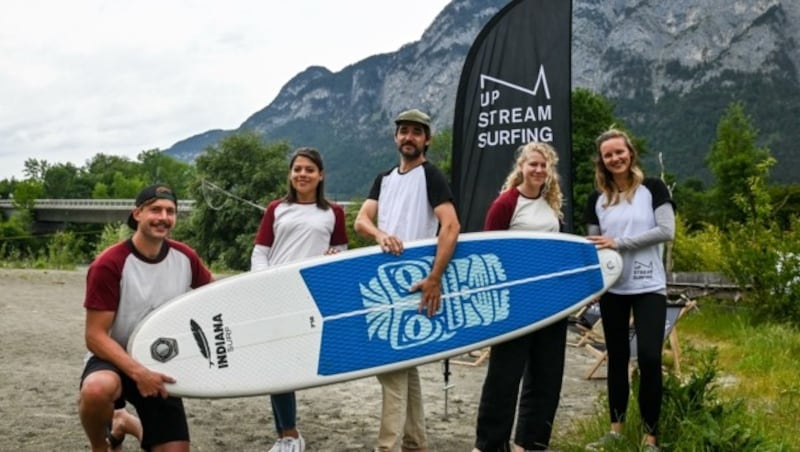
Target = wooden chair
(675,311)
(588,325)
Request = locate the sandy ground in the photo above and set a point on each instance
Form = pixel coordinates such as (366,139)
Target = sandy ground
(41,338)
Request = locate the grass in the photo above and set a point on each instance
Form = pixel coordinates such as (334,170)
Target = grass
(739,389)
(759,364)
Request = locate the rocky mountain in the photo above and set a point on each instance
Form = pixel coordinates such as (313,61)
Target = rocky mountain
(671,68)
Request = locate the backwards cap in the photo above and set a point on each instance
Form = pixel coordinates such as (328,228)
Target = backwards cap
(150,194)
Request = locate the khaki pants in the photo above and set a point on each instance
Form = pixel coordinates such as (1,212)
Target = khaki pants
(402,416)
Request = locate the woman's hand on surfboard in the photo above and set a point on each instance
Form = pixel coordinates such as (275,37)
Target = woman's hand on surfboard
(602,241)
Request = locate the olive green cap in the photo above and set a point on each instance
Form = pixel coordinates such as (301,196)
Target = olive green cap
(414,115)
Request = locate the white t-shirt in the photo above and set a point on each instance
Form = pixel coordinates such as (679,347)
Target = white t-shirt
(293,231)
(406,201)
(643,267)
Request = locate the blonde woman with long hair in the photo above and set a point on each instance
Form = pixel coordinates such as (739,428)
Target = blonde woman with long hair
(529,200)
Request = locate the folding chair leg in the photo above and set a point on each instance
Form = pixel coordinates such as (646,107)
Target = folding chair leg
(675,346)
(602,357)
(590,373)
(483,355)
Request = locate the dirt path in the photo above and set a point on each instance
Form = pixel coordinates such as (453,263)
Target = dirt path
(41,332)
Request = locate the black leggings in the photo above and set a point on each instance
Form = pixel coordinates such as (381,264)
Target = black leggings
(537,359)
(649,317)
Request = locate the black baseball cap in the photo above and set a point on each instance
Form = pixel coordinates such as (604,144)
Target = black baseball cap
(150,194)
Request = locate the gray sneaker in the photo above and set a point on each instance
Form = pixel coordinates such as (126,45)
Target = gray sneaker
(609,442)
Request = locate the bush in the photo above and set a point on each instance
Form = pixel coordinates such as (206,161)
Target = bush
(64,251)
(700,251)
(693,417)
(112,233)
(766,261)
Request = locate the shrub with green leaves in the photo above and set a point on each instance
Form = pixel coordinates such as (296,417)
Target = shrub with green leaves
(762,257)
(64,251)
(766,261)
(698,251)
(112,233)
(694,417)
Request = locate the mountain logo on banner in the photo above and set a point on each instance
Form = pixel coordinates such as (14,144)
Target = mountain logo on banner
(513,125)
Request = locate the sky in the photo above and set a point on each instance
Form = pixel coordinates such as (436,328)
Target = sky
(81,77)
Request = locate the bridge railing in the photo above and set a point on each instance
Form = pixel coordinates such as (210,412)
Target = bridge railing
(185,205)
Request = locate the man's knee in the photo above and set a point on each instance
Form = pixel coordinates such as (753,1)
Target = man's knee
(100,387)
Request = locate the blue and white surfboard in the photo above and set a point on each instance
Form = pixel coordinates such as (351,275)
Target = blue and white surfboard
(351,315)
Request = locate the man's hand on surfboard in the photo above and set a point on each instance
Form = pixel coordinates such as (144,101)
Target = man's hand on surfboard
(431,298)
(390,244)
(151,384)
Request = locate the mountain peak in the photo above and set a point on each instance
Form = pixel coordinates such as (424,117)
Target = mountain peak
(670,68)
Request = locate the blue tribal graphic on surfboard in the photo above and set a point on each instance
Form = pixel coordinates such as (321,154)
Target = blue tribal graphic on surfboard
(402,326)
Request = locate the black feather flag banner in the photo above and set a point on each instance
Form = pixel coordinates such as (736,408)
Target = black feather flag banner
(514,88)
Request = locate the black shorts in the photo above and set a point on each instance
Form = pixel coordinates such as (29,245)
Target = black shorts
(163,420)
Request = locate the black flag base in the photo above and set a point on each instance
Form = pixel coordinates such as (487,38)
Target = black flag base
(447,386)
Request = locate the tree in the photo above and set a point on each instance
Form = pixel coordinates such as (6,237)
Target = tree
(693,203)
(235,180)
(761,255)
(126,187)
(34,169)
(65,180)
(787,202)
(103,168)
(7,187)
(16,240)
(160,168)
(734,160)
(439,152)
(26,193)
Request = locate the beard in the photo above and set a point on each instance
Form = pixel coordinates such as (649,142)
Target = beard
(410,154)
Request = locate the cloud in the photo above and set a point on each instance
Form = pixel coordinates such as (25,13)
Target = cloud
(88,76)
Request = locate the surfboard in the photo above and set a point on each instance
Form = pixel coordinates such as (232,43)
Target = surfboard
(350,315)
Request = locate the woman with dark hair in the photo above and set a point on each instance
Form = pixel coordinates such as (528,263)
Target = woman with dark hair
(530,200)
(634,215)
(299,225)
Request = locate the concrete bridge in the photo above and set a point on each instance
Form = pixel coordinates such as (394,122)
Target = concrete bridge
(60,211)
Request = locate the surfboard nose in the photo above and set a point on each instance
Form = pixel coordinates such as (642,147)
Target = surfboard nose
(611,265)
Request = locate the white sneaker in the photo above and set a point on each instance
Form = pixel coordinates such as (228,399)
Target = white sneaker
(610,441)
(278,446)
(294,444)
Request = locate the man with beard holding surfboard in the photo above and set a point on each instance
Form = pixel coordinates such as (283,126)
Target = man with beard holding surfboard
(124,283)
(410,202)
